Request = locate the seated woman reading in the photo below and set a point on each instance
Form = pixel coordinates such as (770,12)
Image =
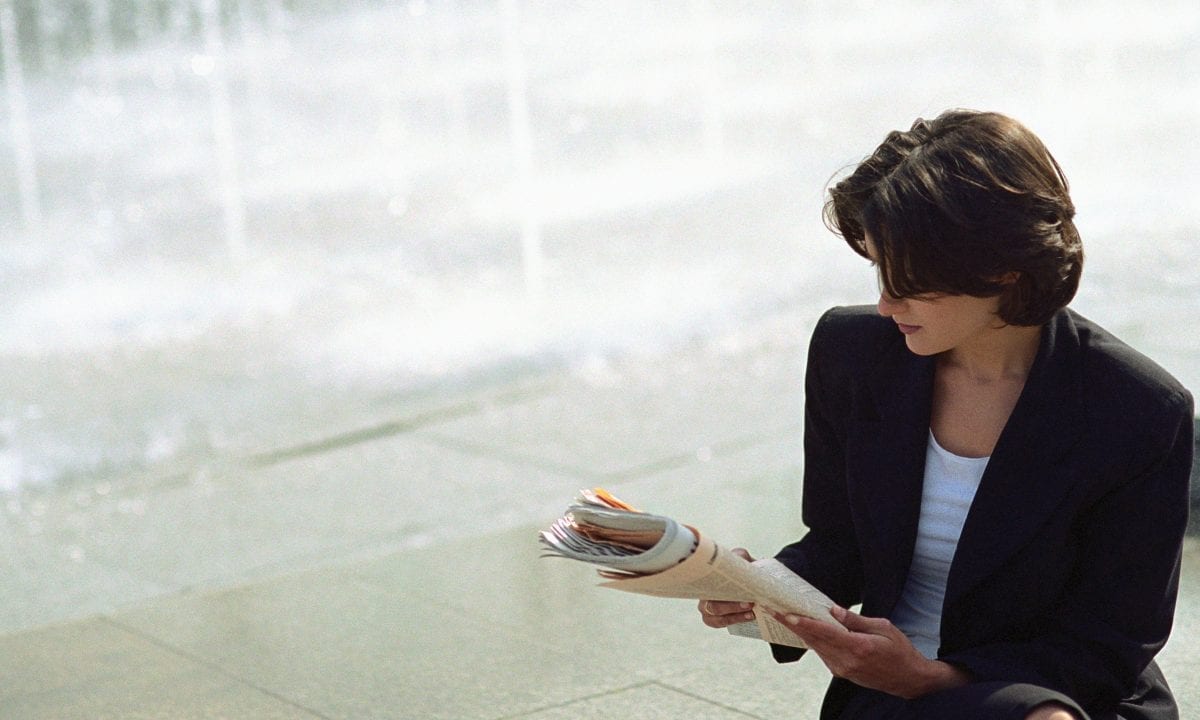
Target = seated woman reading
(998,481)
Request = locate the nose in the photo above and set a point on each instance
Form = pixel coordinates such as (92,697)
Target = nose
(888,305)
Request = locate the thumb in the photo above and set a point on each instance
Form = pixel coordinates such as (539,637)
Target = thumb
(857,623)
(743,554)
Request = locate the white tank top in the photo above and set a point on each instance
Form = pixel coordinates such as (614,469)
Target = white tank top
(950,484)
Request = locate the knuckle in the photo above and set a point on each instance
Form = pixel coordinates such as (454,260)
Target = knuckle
(851,667)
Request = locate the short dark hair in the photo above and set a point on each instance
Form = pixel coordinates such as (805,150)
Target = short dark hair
(955,204)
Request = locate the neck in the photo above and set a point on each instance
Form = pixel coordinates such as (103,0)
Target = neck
(1005,353)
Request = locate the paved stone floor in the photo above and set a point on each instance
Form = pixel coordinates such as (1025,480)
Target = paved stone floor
(390,569)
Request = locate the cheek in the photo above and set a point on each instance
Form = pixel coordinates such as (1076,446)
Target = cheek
(954,321)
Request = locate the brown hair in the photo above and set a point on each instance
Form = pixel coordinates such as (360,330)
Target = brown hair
(956,204)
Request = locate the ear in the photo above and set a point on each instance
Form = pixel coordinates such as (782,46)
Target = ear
(1009,278)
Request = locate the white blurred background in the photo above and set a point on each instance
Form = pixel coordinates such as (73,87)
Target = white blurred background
(225,222)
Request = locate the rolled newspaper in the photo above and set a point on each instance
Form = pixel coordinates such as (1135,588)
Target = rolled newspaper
(649,554)
(622,540)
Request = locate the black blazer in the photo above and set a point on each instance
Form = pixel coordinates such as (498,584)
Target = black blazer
(1067,569)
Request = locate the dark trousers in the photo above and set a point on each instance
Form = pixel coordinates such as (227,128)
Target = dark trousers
(977,701)
(1152,700)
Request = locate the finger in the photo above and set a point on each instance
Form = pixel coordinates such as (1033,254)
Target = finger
(810,630)
(815,634)
(724,621)
(857,623)
(717,614)
(720,607)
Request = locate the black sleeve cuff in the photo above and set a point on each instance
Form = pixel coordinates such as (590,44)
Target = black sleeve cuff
(786,653)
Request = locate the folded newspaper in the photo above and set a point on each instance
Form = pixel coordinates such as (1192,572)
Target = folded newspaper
(654,555)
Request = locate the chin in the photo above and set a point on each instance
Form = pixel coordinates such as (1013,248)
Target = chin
(919,348)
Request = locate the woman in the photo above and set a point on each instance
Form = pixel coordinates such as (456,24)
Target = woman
(1002,484)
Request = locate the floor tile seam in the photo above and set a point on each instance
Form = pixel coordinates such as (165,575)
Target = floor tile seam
(341,556)
(183,479)
(515,629)
(344,560)
(575,700)
(216,586)
(210,665)
(663,464)
(180,474)
(166,585)
(176,476)
(164,591)
(358,436)
(721,449)
(344,563)
(509,456)
(159,589)
(163,587)
(180,471)
(708,700)
(60,623)
(382,430)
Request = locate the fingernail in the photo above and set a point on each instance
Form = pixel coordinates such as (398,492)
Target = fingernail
(748,616)
(793,619)
(745,605)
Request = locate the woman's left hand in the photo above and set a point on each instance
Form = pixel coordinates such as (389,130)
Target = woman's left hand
(873,653)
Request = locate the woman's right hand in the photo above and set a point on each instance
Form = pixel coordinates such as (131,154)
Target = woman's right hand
(721,613)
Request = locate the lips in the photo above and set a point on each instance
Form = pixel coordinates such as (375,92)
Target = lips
(907,329)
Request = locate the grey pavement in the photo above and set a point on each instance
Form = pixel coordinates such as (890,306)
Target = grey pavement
(391,570)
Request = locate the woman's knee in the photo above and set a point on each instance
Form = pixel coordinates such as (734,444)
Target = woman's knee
(1051,711)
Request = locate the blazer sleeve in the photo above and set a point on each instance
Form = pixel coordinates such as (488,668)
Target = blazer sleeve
(827,556)
(1119,607)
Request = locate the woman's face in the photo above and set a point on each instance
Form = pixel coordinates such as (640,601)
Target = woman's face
(935,324)
(938,322)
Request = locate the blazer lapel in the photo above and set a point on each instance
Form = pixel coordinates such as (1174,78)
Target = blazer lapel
(886,466)
(1020,489)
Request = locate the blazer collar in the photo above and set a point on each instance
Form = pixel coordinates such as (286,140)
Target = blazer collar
(886,459)
(1017,493)
(1021,487)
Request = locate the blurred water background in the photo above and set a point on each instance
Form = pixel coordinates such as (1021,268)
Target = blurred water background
(227,225)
